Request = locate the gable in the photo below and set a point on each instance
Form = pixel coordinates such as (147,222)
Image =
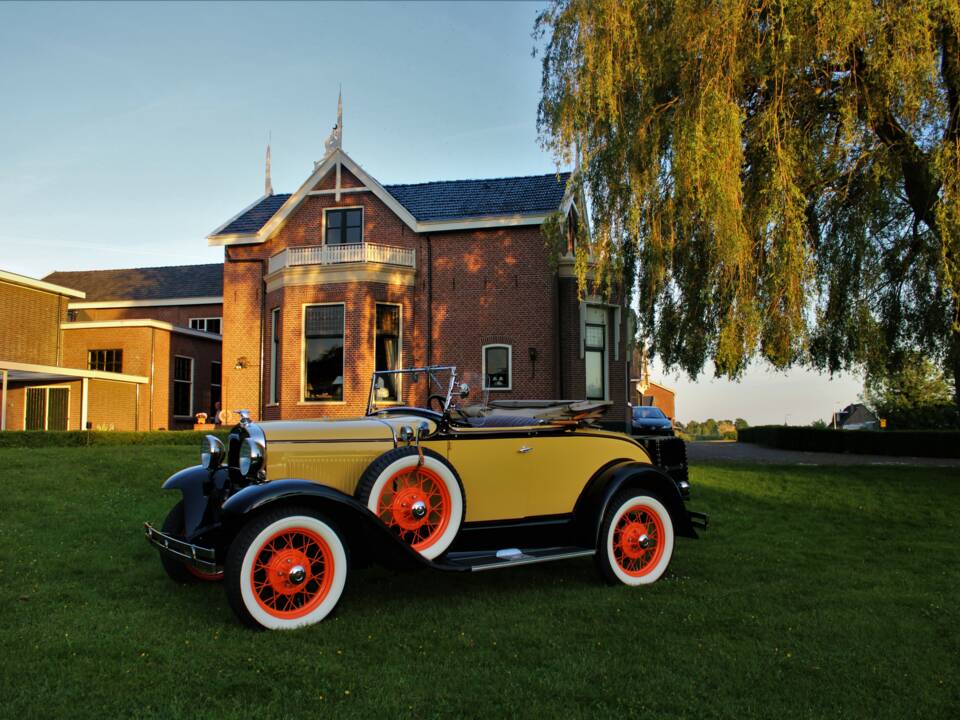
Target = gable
(423,207)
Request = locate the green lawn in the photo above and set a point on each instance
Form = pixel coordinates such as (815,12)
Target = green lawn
(817,593)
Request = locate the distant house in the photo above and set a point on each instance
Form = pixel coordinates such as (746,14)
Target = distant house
(855,417)
(646,392)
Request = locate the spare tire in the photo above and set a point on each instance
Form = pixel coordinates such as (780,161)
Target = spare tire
(423,504)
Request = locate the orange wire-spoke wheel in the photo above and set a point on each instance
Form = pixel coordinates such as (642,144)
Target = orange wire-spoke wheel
(292,573)
(416,504)
(638,540)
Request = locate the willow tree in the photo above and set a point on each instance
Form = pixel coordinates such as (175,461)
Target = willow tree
(783,176)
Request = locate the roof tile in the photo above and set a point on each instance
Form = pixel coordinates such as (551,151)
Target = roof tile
(442,200)
(153,283)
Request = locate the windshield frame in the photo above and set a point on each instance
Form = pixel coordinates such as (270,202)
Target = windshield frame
(429,371)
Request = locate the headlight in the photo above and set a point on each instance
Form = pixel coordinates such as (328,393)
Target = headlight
(211,452)
(251,458)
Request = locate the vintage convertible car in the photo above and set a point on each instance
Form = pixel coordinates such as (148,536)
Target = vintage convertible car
(287,509)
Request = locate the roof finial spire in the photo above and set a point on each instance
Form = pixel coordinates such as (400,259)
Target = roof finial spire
(267,182)
(335,139)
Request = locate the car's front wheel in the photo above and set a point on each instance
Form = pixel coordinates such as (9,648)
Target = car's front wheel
(419,497)
(636,539)
(286,569)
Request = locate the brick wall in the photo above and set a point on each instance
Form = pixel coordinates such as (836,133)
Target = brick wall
(495,287)
(204,353)
(30,324)
(174,314)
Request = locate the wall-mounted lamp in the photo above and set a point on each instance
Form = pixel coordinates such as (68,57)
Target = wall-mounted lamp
(533,354)
(241,363)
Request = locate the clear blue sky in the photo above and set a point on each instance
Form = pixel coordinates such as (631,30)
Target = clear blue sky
(129,131)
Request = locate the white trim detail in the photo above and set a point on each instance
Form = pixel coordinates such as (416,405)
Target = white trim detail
(157,324)
(71,373)
(165,302)
(33,284)
(483,367)
(492,221)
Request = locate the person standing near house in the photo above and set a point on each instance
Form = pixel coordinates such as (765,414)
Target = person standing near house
(219,415)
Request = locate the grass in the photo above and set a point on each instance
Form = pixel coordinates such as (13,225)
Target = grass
(818,592)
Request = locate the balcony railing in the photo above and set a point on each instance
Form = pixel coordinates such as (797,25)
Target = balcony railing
(336,254)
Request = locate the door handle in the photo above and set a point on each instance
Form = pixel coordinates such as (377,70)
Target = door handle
(525,449)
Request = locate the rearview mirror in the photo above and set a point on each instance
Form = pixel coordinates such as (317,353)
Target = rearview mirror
(464,390)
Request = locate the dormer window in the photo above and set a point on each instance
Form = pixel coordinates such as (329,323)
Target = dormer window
(344,227)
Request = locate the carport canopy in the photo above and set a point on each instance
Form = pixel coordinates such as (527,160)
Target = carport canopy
(34,374)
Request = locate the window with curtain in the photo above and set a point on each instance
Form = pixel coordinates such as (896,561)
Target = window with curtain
(344,226)
(595,353)
(496,367)
(323,353)
(388,351)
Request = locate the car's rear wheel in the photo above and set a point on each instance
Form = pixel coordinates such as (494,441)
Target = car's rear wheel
(286,569)
(176,569)
(420,501)
(636,539)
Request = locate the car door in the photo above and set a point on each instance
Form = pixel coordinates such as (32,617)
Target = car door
(496,466)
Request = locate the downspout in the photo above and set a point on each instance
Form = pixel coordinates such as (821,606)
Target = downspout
(557,345)
(59,331)
(153,354)
(263,310)
(429,300)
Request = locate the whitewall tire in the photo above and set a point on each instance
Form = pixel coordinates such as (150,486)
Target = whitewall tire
(286,569)
(422,503)
(636,539)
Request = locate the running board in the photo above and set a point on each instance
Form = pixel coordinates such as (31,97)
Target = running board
(509,557)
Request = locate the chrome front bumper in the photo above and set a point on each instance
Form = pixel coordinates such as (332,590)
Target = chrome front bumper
(201,558)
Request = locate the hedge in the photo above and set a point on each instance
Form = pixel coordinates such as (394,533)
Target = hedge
(79,438)
(905,443)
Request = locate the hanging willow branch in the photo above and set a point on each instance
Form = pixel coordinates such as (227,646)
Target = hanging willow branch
(772,167)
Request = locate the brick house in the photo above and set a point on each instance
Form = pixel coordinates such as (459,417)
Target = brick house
(130,349)
(346,275)
(645,391)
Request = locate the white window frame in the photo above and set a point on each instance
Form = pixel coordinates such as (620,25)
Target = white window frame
(399,399)
(303,351)
(173,377)
(205,319)
(605,353)
(274,353)
(363,224)
(483,367)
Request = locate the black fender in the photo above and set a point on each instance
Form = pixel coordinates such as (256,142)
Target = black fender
(594,501)
(196,484)
(366,534)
